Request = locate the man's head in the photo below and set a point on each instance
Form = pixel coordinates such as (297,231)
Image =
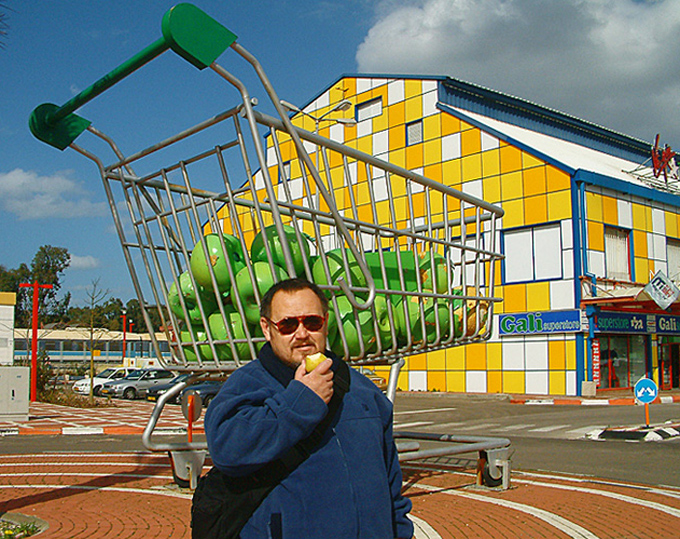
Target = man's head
(293,316)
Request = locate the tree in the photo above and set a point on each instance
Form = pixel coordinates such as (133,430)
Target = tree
(95,296)
(48,264)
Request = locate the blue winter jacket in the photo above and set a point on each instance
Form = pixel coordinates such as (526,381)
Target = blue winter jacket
(349,487)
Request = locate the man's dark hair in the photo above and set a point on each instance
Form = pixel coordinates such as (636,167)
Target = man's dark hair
(291,285)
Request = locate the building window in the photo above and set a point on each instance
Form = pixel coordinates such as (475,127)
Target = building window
(370,109)
(414,133)
(673,254)
(533,254)
(617,254)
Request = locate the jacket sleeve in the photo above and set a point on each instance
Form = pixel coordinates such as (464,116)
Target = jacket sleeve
(249,424)
(401,506)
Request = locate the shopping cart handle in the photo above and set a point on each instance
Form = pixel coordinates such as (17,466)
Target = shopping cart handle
(188,31)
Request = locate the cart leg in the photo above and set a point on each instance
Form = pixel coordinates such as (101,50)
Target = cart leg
(393,379)
(186,467)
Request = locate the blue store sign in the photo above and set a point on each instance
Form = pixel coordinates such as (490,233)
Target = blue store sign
(539,322)
(668,325)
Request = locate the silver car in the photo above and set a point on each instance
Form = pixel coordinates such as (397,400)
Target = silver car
(107,375)
(136,383)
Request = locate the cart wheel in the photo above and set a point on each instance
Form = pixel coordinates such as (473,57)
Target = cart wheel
(181,483)
(487,479)
(129,393)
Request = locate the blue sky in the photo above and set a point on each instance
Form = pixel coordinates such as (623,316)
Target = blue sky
(612,62)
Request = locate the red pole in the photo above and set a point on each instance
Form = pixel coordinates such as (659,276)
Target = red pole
(34,336)
(124,317)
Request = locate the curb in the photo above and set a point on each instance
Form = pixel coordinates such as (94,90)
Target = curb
(628,401)
(84,431)
(636,434)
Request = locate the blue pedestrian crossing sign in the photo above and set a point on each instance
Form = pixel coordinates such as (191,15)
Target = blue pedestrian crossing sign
(646,390)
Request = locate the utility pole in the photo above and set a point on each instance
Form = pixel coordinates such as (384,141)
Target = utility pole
(34,338)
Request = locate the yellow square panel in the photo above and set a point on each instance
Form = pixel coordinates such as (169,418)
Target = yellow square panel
(529,161)
(557,179)
(380,123)
(514,213)
(432,152)
(414,109)
(492,189)
(538,296)
(557,359)
(455,382)
(436,361)
(401,208)
(418,204)
(535,210)
(640,217)
(398,157)
(365,144)
(365,213)
(450,124)
(396,114)
(417,363)
(471,141)
(397,137)
(475,357)
(436,381)
(491,163)
(512,187)
(455,358)
(398,187)
(494,356)
(513,382)
(472,167)
(534,181)
(514,298)
(594,210)
(414,156)
(494,382)
(511,159)
(452,172)
(402,381)
(640,245)
(559,205)
(671,225)
(642,270)
(349,85)
(434,172)
(571,355)
(432,127)
(412,88)
(610,211)
(381,92)
(595,236)
(557,383)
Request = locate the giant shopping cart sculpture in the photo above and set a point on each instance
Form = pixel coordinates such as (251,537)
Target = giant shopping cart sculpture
(408,263)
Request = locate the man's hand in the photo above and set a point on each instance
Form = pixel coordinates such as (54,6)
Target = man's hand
(320,380)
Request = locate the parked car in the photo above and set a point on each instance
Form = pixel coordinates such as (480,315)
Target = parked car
(136,383)
(373,377)
(107,375)
(205,391)
(154,393)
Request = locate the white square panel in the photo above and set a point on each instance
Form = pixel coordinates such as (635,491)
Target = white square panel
(430,103)
(513,355)
(475,381)
(363,85)
(625,213)
(451,148)
(658,221)
(596,263)
(489,142)
(380,143)
(571,383)
(567,234)
(417,381)
(536,355)
(395,91)
(561,295)
(536,382)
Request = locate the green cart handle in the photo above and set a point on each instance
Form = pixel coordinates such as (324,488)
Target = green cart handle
(188,31)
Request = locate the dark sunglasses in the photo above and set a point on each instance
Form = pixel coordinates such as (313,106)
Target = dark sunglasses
(289,325)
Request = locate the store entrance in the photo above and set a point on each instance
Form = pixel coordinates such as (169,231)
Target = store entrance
(623,360)
(669,363)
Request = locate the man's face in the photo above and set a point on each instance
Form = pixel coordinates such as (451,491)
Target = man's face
(294,348)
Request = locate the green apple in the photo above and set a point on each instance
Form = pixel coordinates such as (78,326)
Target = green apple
(336,269)
(217,258)
(413,319)
(298,252)
(191,300)
(243,288)
(436,280)
(199,334)
(218,332)
(391,279)
(346,318)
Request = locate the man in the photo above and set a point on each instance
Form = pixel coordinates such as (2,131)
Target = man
(350,485)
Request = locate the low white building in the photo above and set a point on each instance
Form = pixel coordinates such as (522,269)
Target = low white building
(7,302)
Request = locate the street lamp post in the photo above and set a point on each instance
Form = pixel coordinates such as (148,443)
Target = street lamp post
(124,317)
(34,336)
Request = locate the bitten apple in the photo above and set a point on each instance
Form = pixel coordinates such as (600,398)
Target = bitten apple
(313,361)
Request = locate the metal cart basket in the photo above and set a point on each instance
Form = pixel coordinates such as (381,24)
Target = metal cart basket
(409,264)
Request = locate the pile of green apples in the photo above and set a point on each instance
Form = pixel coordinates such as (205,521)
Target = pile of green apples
(218,280)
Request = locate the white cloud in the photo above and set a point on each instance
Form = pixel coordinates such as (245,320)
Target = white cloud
(30,196)
(83,262)
(612,62)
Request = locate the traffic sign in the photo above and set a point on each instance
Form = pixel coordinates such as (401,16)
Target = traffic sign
(646,390)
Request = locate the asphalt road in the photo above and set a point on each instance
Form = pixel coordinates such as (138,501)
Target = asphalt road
(543,438)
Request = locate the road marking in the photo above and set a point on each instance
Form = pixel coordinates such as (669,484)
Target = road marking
(614,495)
(582,431)
(429,410)
(422,530)
(128,464)
(447,425)
(549,428)
(517,427)
(413,424)
(154,491)
(570,528)
(83,474)
(479,426)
